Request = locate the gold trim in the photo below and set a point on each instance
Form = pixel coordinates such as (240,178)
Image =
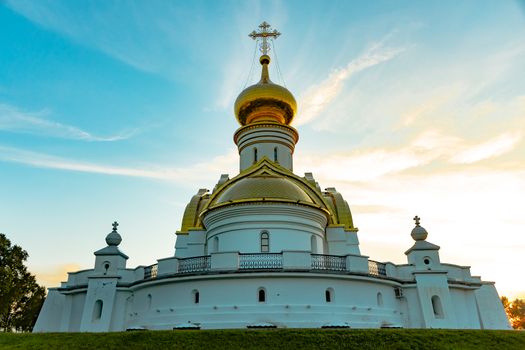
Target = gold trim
(244,128)
(253,201)
(267,165)
(264,141)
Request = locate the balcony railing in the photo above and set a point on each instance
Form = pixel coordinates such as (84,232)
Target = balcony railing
(266,261)
(151,271)
(328,262)
(260,261)
(196,264)
(376,268)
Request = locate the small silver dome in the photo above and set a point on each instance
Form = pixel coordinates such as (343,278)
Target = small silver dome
(419,233)
(114,238)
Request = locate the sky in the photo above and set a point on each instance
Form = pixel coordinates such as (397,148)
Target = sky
(122,110)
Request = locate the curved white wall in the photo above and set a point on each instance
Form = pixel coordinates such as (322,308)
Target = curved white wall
(239,227)
(267,139)
(294,301)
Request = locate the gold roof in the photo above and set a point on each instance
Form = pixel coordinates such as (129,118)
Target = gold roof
(267,186)
(267,181)
(265,101)
(191,219)
(264,182)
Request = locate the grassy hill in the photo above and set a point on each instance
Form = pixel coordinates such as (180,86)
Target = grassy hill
(271,339)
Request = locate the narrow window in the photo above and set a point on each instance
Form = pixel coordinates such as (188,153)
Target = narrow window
(196,296)
(265,242)
(437,307)
(329,295)
(261,295)
(106,267)
(379,299)
(97,310)
(215,244)
(313,244)
(149,301)
(275,154)
(255,155)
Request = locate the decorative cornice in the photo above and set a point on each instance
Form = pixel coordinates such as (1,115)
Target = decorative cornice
(289,129)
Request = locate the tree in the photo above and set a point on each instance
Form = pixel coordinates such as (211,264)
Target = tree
(21,298)
(515,312)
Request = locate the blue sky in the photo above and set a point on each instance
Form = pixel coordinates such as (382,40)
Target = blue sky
(121,110)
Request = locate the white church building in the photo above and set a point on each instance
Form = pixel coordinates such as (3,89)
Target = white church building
(268,248)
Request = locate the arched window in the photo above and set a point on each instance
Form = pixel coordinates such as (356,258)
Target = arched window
(313,244)
(261,295)
(275,154)
(196,296)
(106,267)
(379,299)
(215,244)
(265,242)
(255,154)
(149,301)
(437,307)
(329,295)
(97,310)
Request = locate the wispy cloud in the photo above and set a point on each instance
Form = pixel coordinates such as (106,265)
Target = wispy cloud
(14,120)
(202,171)
(319,96)
(431,145)
(156,36)
(492,148)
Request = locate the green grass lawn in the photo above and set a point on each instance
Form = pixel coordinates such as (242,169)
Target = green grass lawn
(271,339)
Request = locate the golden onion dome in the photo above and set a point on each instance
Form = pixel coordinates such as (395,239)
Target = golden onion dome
(265,187)
(265,101)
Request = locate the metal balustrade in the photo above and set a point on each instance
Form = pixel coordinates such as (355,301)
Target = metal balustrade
(195,264)
(376,268)
(267,261)
(328,262)
(260,261)
(151,271)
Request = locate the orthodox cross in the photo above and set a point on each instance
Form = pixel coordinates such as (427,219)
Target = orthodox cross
(264,33)
(416,219)
(115,224)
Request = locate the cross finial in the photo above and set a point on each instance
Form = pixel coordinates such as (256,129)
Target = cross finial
(115,224)
(416,219)
(264,33)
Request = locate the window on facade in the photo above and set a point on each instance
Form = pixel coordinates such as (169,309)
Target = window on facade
(215,247)
(149,301)
(313,244)
(437,307)
(265,242)
(106,267)
(196,296)
(275,154)
(379,299)
(97,310)
(255,155)
(261,295)
(329,295)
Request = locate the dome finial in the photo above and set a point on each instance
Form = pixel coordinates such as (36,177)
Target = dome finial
(114,238)
(265,101)
(265,32)
(418,233)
